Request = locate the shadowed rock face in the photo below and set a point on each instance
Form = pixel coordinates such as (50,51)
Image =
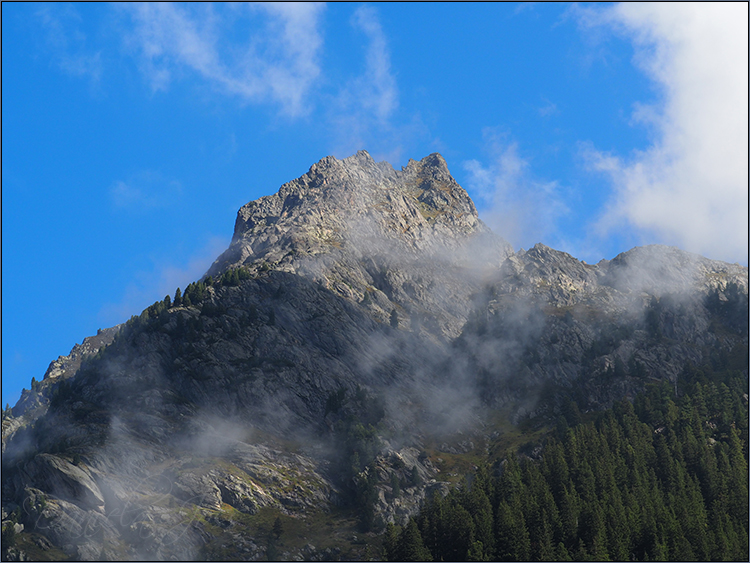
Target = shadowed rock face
(369,294)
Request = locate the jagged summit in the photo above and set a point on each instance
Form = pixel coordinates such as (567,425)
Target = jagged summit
(356,205)
(561,280)
(373,234)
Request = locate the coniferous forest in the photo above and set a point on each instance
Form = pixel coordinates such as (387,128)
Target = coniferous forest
(664,477)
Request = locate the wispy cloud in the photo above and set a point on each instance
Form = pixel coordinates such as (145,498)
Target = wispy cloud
(524,6)
(256,53)
(690,187)
(511,201)
(364,113)
(376,90)
(145,191)
(549,108)
(68,43)
(148,286)
(276,59)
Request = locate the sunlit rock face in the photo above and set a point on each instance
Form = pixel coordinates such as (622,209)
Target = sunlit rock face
(375,313)
(408,239)
(360,206)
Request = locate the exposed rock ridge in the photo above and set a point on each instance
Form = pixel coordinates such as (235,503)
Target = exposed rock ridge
(66,366)
(640,273)
(665,269)
(374,235)
(654,309)
(345,204)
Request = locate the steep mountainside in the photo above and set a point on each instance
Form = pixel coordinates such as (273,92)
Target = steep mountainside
(408,239)
(362,343)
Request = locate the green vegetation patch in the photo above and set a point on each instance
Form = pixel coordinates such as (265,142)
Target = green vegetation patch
(281,536)
(30,543)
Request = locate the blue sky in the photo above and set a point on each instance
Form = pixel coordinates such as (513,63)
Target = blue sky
(131,134)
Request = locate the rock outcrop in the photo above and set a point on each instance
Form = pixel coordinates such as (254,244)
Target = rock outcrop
(409,240)
(359,206)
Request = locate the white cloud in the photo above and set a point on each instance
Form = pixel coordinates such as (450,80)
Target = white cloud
(363,112)
(125,195)
(152,285)
(549,108)
(145,191)
(690,187)
(376,90)
(515,205)
(296,64)
(276,59)
(67,43)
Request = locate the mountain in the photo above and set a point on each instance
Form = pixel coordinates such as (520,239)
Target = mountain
(363,343)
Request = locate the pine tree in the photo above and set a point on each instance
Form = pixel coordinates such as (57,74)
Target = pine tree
(512,542)
(278,528)
(430,524)
(651,481)
(410,545)
(562,553)
(458,530)
(395,485)
(480,507)
(737,479)
(390,542)
(477,552)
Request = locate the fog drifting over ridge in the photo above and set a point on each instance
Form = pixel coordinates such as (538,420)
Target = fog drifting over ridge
(690,187)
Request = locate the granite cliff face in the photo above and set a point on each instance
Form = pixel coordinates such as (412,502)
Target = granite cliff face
(368,232)
(363,327)
(358,206)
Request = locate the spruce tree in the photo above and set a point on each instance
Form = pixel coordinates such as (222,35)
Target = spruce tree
(390,542)
(410,545)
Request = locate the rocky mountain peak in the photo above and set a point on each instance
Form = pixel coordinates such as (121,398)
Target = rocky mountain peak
(373,234)
(355,205)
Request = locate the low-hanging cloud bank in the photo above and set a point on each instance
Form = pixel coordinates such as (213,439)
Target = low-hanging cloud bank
(690,187)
